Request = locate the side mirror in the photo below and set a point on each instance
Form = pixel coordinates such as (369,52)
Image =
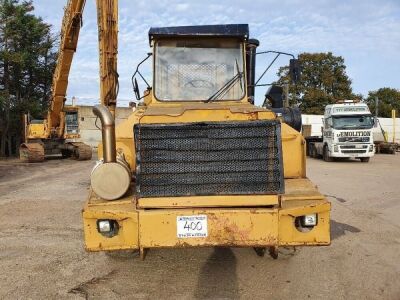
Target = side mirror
(294,70)
(275,96)
(136,89)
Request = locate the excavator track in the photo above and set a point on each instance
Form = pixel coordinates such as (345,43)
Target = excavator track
(81,151)
(31,152)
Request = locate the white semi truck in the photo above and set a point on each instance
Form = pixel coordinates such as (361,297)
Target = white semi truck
(346,132)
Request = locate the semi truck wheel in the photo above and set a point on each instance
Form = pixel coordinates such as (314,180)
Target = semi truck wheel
(314,152)
(326,155)
(364,159)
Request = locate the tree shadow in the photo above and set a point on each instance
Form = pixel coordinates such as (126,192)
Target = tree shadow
(217,278)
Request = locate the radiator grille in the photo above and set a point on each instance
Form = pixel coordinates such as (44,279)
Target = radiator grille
(208,158)
(354,151)
(353,139)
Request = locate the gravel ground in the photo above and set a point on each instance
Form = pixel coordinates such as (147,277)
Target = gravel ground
(42,255)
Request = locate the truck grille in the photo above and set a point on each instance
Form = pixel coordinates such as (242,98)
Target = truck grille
(352,146)
(354,151)
(353,139)
(208,158)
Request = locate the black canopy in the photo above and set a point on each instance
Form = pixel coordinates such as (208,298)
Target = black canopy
(240,31)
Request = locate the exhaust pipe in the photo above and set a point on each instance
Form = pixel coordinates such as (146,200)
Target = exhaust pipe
(251,53)
(107,133)
(111,177)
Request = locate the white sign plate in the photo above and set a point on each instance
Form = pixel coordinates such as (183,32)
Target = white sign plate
(191,226)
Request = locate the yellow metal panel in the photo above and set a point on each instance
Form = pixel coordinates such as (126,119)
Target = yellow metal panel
(226,227)
(293,149)
(290,235)
(36,131)
(300,189)
(209,201)
(126,215)
(149,228)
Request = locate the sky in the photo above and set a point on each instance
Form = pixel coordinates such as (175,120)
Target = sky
(366,33)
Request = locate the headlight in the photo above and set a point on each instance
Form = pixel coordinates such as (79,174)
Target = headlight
(371,148)
(309,220)
(108,228)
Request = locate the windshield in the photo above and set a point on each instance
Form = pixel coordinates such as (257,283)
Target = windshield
(198,70)
(353,122)
(71,121)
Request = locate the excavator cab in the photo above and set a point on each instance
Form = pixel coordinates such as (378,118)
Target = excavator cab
(71,123)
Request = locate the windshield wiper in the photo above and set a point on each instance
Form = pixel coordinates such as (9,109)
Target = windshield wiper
(227,86)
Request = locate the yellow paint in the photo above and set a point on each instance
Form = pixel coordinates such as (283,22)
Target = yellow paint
(36,131)
(228,226)
(248,220)
(209,201)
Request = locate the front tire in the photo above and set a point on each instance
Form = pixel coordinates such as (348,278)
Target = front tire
(364,159)
(326,155)
(314,152)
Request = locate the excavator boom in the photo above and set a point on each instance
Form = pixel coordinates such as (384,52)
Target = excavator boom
(107,16)
(71,25)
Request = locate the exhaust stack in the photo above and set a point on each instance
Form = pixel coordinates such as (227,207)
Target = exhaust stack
(111,177)
(107,132)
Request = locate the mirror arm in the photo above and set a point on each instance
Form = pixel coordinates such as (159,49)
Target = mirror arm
(137,70)
(276,52)
(262,75)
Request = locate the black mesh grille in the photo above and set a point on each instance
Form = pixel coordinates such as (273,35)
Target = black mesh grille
(208,158)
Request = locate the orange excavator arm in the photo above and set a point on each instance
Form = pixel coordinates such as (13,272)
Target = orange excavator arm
(107,14)
(71,25)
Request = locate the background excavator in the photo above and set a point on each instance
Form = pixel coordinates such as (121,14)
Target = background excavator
(51,135)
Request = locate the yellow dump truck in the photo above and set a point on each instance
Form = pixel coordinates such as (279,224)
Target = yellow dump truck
(197,164)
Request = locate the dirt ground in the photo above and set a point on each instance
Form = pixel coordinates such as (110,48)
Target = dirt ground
(42,255)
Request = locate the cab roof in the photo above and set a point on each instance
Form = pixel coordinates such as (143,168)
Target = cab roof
(240,31)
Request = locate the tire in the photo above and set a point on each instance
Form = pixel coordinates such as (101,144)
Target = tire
(326,156)
(313,151)
(364,159)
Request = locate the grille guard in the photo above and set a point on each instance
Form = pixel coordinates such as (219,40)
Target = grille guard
(209,158)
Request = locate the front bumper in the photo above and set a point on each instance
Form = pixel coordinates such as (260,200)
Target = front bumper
(345,151)
(227,226)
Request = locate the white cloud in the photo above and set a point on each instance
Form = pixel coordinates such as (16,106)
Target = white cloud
(365,33)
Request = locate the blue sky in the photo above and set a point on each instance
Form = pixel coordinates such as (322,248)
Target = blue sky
(366,33)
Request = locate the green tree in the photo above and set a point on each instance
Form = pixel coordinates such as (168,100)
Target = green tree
(27,61)
(323,81)
(388,99)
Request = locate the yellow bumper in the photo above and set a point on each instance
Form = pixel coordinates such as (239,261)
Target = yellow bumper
(249,227)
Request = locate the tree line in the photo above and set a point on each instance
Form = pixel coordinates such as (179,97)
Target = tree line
(27,61)
(324,81)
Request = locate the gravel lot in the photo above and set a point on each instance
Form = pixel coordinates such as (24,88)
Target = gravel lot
(42,255)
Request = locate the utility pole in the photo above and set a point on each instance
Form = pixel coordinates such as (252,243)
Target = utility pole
(394,125)
(286,95)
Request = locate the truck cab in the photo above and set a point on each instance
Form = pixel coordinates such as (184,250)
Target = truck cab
(346,132)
